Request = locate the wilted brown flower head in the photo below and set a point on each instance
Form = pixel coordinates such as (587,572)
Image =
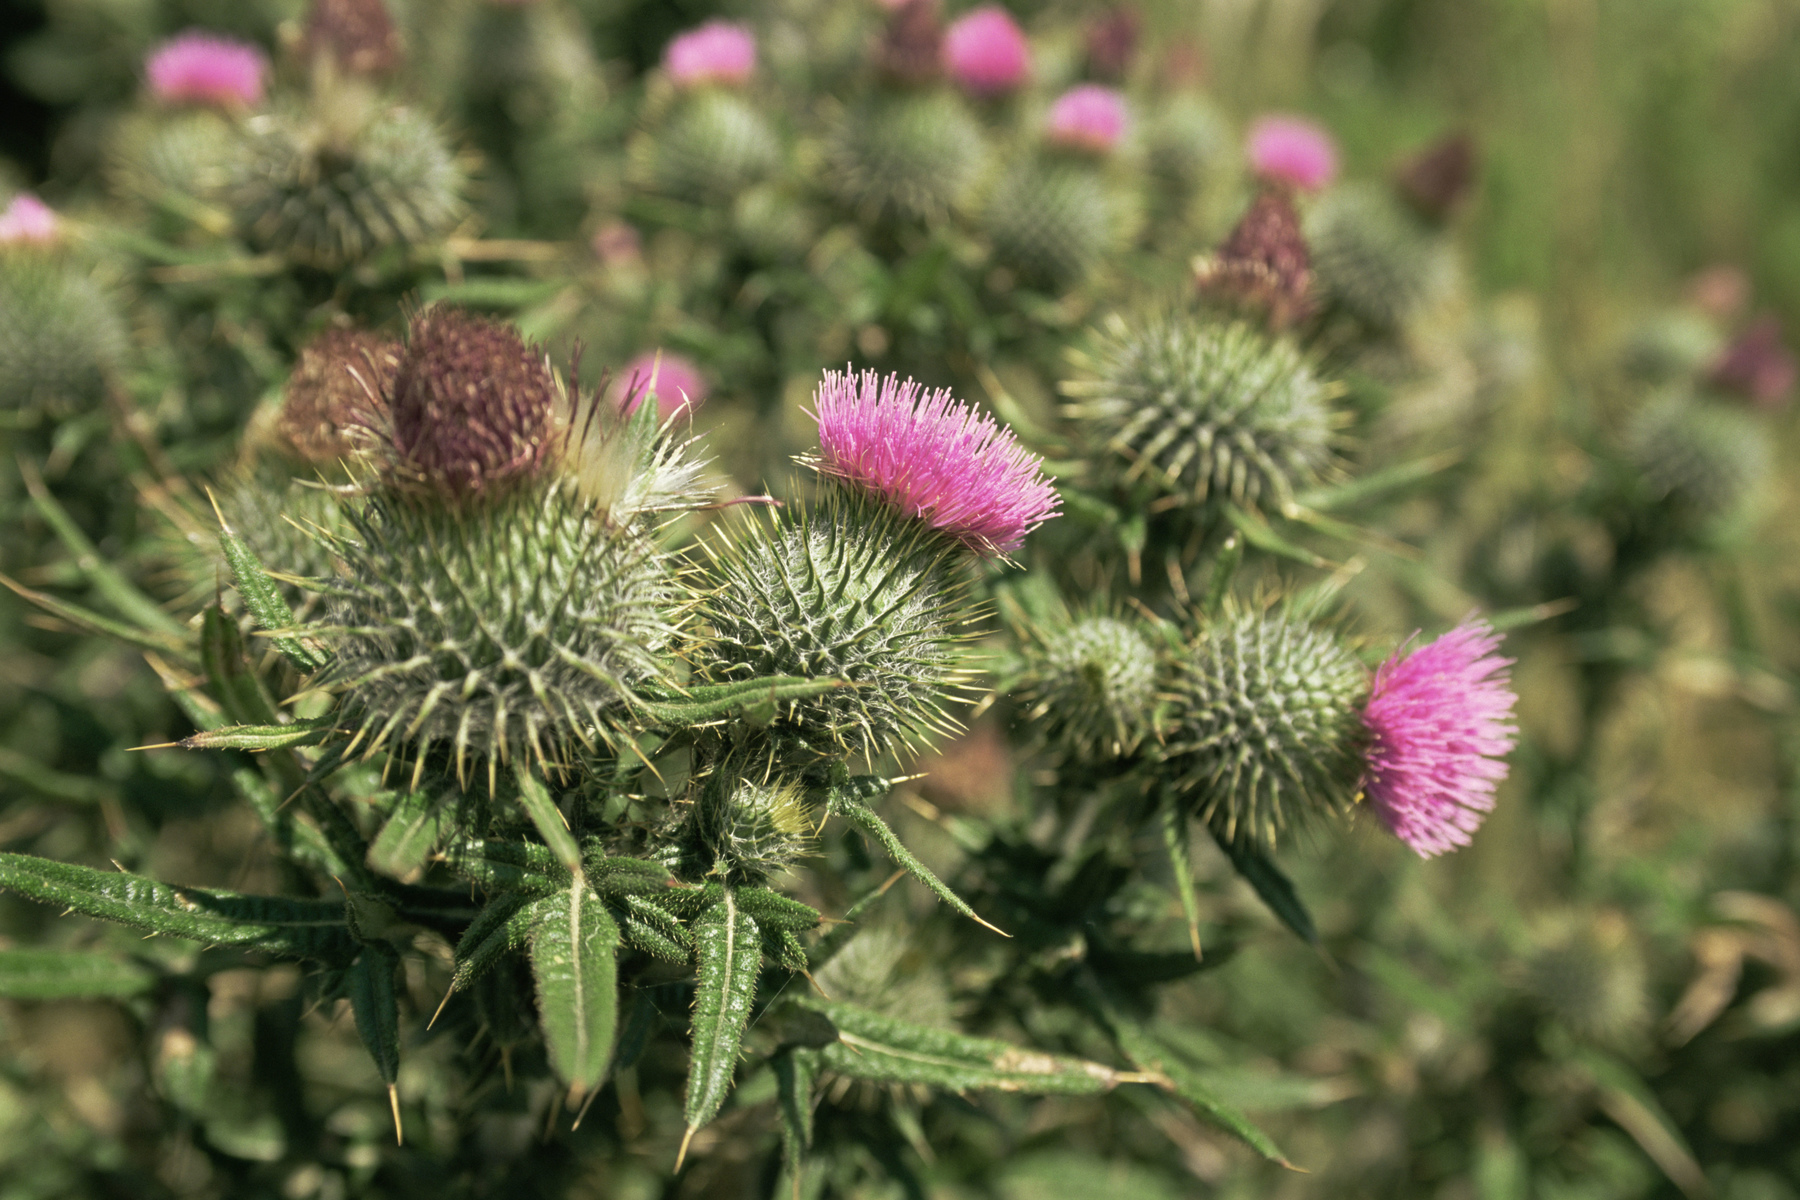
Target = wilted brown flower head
(1263,267)
(471,406)
(358,34)
(1436,179)
(910,49)
(1757,366)
(1112,40)
(334,394)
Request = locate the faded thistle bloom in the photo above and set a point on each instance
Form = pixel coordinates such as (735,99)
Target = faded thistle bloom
(933,457)
(204,68)
(675,382)
(1088,117)
(1757,366)
(986,53)
(358,35)
(716,52)
(1112,42)
(27,221)
(1263,267)
(1439,730)
(1292,151)
(1437,179)
(911,48)
(334,394)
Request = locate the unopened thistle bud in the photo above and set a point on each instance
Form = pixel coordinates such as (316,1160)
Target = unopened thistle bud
(1188,143)
(1263,268)
(358,36)
(1436,180)
(1706,462)
(1055,222)
(1587,972)
(1204,410)
(1091,687)
(711,146)
(752,829)
(1670,346)
(333,191)
(915,156)
(60,334)
(1264,728)
(1376,259)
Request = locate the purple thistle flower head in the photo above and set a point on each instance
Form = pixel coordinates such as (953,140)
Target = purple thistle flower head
(1439,730)
(986,53)
(675,382)
(203,68)
(716,52)
(28,221)
(1292,151)
(1088,117)
(932,457)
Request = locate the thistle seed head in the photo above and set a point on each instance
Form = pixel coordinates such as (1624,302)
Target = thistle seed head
(335,394)
(1263,269)
(1436,180)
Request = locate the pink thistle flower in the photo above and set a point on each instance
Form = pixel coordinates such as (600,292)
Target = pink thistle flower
(675,382)
(932,457)
(1439,730)
(1757,366)
(1088,117)
(716,52)
(203,68)
(1294,151)
(986,53)
(27,221)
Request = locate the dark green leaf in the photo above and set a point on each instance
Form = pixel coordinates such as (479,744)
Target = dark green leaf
(1225,566)
(1181,865)
(376,1005)
(113,587)
(70,975)
(795,1069)
(846,803)
(574,956)
(506,866)
(649,928)
(264,601)
(237,689)
(503,925)
(709,702)
(1258,533)
(415,828)
(261,737)
(1276,889)
(730,954)
(540,806)
(772,910)
(622,876)
(92,622)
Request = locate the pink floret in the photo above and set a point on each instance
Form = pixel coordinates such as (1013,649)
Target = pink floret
(1293,151)
(1439,722)
(716,52)
(1088,117)
(985,52)
(673,380)
(932,457)
(203,68)
(27,221)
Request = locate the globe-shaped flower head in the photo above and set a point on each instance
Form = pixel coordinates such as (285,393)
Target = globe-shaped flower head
(931,456)
(204,68)
(28,221)
(1089,117)
(1292,151)
(716,52)
(1439,730)
(986,52)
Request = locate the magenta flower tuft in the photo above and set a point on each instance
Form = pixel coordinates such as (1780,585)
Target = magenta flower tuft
(986,53)
(1439,730)
(203,68)
(716,52)
(675,382)
(1088,117)
(27,221)
(1294,151)
(932,457)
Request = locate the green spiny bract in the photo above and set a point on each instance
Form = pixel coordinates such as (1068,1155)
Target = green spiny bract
(714,144)
(1091,684)
(1264,726)
(852,590)
(1054,221)
(1705,461)
(60,335)
(1203,409)
(1375,258)
(911,155)
(334,189)
(521,626)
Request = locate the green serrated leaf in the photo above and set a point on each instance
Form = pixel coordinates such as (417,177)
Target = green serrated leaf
(503,924)
(1276,889)
(772,910)
(237,689)
(416,826)
(28,974)
(646,927)
(574,957)
(112,586)
(178,649)
(796,1068)
(309,929)
(847,803)
(885,1049)
(1369,484)
(1225,566)
(264,601)
(535,798)
(1181,865)
(261,737)
(730,956)
(708,702)
(624,876)
(500,866)
(376,1005)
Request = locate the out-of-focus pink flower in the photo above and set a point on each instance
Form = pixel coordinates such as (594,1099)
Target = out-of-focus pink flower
(1088,117)
(673,380)
(617,244)
(986,53)
(1439,730)
(204,68)
(716,52)
(1112,41)
(27,221)
(932,457)
(1757,366)
(1294,151)
(1720,291)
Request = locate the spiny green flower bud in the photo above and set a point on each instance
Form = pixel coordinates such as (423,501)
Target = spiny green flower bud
(851,589)
(60,335)
(175,157)
(1265,731)
(912,155)
(754,829)
(1091,685)
(1375,257)
(331,190)
(1201,409)
(1706,462)
(1055,221)
(1670,346)
(713,145)
(1588,974)
(1189,143)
